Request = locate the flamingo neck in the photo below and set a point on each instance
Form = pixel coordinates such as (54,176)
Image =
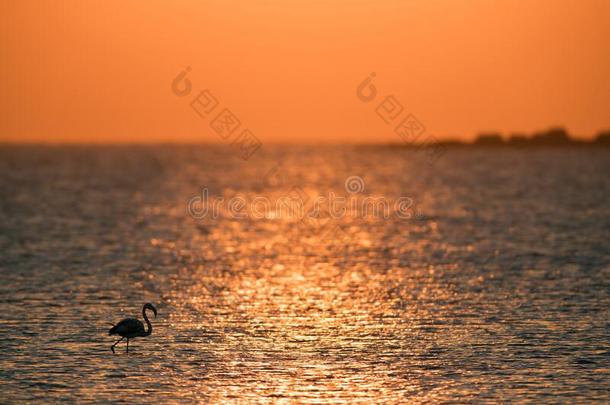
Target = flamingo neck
(149,330)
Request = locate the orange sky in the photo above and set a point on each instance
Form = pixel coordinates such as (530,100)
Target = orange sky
(96,71)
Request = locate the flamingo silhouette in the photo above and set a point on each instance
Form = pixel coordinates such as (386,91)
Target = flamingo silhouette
(131,328)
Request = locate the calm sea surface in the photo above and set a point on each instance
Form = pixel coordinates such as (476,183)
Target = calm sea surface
(492,285)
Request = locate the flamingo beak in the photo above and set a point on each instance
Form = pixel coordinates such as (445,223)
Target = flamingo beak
(155,311)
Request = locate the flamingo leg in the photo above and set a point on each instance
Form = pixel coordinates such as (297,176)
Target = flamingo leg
(127,345)
(116,343)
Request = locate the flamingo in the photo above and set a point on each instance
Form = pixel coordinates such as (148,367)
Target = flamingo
(131,328)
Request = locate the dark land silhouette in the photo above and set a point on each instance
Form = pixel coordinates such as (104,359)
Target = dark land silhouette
(553,137)
(556,136)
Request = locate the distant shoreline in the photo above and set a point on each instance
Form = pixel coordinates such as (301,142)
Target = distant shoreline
(554,137)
